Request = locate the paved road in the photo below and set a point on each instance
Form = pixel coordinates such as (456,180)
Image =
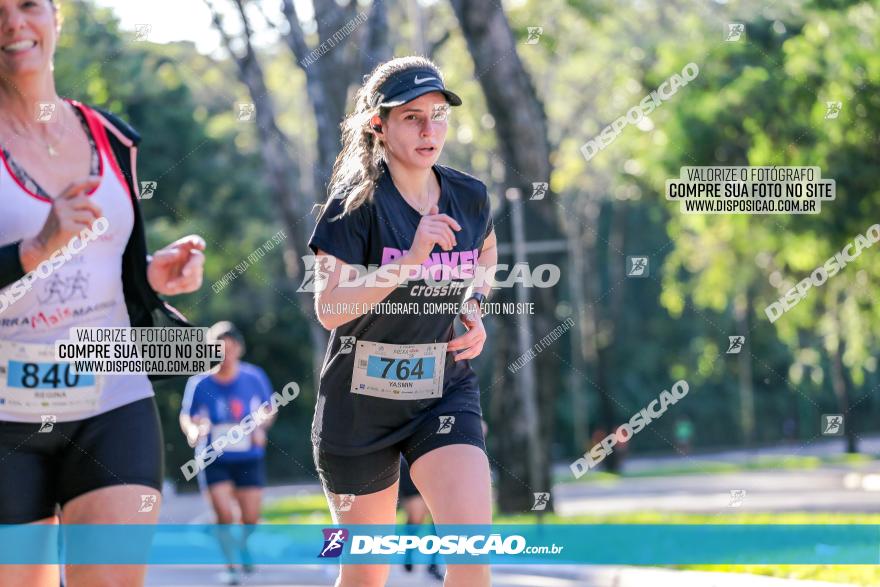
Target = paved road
(838,488)
(830,488)
(323,576)
(826,489)
(536,576)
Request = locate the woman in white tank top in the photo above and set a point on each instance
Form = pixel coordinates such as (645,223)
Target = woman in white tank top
(60,174)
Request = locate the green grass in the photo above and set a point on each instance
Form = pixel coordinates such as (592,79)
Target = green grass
(312,509)
(770,463)
(306,509)
(863,575)
(651,517)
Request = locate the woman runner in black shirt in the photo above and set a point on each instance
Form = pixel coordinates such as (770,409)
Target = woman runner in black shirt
(396,379)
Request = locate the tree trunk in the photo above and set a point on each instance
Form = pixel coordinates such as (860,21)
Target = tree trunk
(742,309)
(330,75)
(281,169)
(328,78)
(520,119)
(583,336)
(591,326)
(521,126)
(840,385)
(839,381)
(526,382)
(604,374)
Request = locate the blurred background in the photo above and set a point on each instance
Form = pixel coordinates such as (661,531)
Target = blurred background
(539,79)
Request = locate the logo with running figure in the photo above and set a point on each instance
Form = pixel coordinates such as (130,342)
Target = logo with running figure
(539,190)
(346,344)
(735,30)
(345,501)
(148,188)
(247,112)
(142,31)
(636,266)
(832,110)
(318,269)
(736,344)
(147,503)
(737,497)
(535,33)
(446,423)
(334,542)
(47,424)
(440,112)
(541,501)
(832,424)
(47,111)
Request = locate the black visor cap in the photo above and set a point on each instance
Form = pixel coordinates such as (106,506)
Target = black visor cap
(405,86)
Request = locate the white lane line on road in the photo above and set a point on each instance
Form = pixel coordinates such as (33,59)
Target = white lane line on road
(531,580)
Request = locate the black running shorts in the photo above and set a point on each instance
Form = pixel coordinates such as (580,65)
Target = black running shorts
(41,469)
(378,470)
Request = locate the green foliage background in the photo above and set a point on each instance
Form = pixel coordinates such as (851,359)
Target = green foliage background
(760,102)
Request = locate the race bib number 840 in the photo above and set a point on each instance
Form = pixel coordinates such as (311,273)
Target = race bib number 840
(33,382)
(45,376)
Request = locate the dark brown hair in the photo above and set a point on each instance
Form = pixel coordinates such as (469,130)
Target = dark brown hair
(358,166)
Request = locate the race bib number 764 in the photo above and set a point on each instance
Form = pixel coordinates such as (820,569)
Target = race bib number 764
(399,371)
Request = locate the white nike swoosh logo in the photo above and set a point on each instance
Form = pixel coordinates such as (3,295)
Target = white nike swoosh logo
(418,81)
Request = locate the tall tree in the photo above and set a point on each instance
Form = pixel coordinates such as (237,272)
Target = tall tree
(281,168)
(521,127)
(330,71)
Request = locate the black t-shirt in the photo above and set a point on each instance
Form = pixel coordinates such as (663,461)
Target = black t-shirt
(374,234)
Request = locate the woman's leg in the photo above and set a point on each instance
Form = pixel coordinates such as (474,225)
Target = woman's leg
(110,473)
(250,501)
(119,504)
(372,480)
(222,496)
(416,509)
(373,508)
(27,495)
(31,575)
(454,480)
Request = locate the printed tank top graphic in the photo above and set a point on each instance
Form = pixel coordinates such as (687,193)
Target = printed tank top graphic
(84,290)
